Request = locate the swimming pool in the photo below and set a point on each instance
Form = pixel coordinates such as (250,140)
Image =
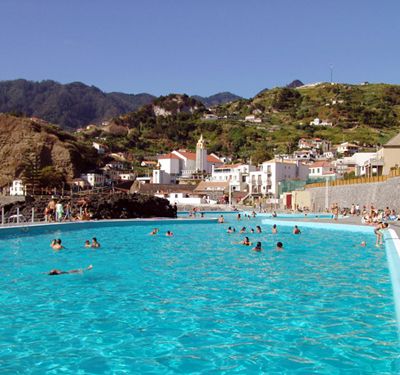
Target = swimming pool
(195,304)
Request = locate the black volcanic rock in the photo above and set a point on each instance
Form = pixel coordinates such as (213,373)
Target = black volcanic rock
(101,206)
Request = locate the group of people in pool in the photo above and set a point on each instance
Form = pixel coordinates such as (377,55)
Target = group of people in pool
(56,245)
(247,242)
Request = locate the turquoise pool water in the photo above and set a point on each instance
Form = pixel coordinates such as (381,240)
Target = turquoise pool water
(196,304)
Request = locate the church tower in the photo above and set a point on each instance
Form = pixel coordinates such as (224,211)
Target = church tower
(201,155)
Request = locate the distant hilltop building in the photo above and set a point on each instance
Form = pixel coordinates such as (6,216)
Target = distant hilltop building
(319,122)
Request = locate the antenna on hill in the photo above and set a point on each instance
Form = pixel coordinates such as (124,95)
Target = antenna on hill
(331,72)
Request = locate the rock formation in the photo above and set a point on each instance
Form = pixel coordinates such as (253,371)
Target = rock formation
(100,206)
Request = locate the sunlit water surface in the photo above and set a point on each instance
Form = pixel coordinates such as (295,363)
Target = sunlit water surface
(196,304)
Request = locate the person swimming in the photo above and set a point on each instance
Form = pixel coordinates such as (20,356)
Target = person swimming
(229,230)
(155,231)
(258,247)
(258,229)
(296,230)
(169,233)
(243,230)
(58,272)
(279,246)
(245,242)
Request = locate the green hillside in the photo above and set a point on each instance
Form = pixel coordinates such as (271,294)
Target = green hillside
(368,114)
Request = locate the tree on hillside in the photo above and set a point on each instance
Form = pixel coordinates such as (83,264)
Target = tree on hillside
(31,173)
(51,177)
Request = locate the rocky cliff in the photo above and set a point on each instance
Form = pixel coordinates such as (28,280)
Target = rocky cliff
(22,137)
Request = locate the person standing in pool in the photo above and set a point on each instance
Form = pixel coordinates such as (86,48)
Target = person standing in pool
(221,219)
(95,243)
(58,246)
(58,272)
(258,247)
(274,230)
(296,230)
(258,229)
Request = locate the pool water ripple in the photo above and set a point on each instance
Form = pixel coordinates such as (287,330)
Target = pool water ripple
(196,304)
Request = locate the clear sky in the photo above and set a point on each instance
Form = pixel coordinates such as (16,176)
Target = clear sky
(199,47)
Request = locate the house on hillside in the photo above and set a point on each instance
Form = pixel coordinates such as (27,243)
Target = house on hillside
(101,149)
(321,169)
(347,148)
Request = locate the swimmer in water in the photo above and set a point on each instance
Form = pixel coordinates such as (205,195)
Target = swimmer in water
(296,230)
(169,233)
(95,243)
(221,219)
(243,230)
(279,246)
(53,242)
(229,230)
(245,242)
(58,246)
(251,230)
(87,243)
(155,231)
(58,272)
(274,230)
(258,247)
(363,244)
(258,229)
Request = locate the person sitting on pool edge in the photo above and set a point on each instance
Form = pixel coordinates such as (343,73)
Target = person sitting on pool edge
(258,247)
(245,242)
(58,272)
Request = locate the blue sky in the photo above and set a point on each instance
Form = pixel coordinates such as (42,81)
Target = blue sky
(199,47)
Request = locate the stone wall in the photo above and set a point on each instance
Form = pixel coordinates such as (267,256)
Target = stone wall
(380,194)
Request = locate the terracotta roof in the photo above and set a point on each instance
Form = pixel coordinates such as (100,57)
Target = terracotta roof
(169,156)
(321,164)
(213,159)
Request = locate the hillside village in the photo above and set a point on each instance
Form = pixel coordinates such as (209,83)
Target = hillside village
(246,152)
(186,177)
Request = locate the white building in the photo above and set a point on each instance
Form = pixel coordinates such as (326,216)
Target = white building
(322,169)
(101,149)
(275,171)
(184,164)
(94,179)
(347,148)
(360,161)
(319,122)
(236,174)
(127,176)
(17,188)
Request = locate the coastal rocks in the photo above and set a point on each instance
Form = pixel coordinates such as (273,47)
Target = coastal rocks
(100,206)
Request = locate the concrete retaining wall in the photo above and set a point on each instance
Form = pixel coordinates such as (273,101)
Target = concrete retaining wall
(380,194)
